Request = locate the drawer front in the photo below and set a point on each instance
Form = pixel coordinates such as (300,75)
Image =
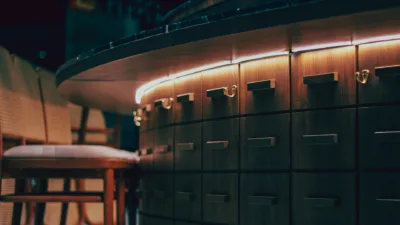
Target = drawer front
(146,150)
(220,97)
(324,78)
(324,139)
(162,195)
(220,145)
(163,149)
(220,198)
(380,198)
(379,141)
(264,199)
(324,198)
(145,112)
(188,98)
(144,194)
(188,196)
(157,221)
(265,142)
(382,60)
(162,100)
(265,85)
(188,147)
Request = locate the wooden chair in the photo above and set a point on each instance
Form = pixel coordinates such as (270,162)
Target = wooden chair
(57,161)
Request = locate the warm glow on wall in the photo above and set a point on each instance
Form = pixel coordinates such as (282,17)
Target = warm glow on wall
(376,39)
(322,46)
(259,56)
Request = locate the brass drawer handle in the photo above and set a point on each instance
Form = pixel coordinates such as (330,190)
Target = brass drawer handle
(261,200)
(162,149)
(160,194)
(362,77)
(214,198)
(320,139)
(387,136)
(145,151)
(184,146)
(264,142)
(321,78)
(394,200)
(165,103)
(223,91)
(184,98)
(387,71)
(184,196)
(322,202)
(261,85)
(217,145)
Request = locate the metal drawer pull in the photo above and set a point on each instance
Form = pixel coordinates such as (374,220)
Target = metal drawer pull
(217,145)
(223,91)
(261,85)
(362,77)
(394,200)
(261,200)
(185,146)
(188,97)
(145,151)
(264,142)
(159,194)
(387,71)
(184,196)
(145,109)
(322,202)
(321,78)
(165,103)
(320,139)
(387,136)
(217,198)
(162,149)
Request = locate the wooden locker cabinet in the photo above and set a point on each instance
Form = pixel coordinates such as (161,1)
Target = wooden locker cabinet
(379,198)
(164,149)
(188,147)
(264,198)
(382,60)
(220,92)
(265,142)
(145,110)
(188,99)
(162,196)
(144,194)
(379,137)
(324,198)
(146,150)
(324,78)
(220,198)
(220,145)
(324,139)
(265,85)
(188,197)
(162,102)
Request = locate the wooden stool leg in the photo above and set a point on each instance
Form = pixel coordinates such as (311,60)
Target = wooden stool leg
(108,197)
(17,209)
(121,199)
(41,206)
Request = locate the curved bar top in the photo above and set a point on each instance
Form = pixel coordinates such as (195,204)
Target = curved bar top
(108,77)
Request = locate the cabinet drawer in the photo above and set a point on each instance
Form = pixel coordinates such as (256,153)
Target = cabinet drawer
(264,85)
(324,198)
(162,100)
(146,150)
(264,199)
(380,198)
(188,98)
(382,60)
(220,92)
(324,78)
(379,141)
(163,149)
(220,198)
(188,147)
(145,112)
(324,139)
(265,142)
(220,145)
(188,196)
(144,194)
(162,195)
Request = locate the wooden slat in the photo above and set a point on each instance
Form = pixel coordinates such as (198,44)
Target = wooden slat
(54,197)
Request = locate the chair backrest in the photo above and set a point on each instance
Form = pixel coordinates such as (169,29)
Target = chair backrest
(55,110)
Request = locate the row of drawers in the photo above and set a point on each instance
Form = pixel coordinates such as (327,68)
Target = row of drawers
(323,139)
(316,79)
(318,198)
